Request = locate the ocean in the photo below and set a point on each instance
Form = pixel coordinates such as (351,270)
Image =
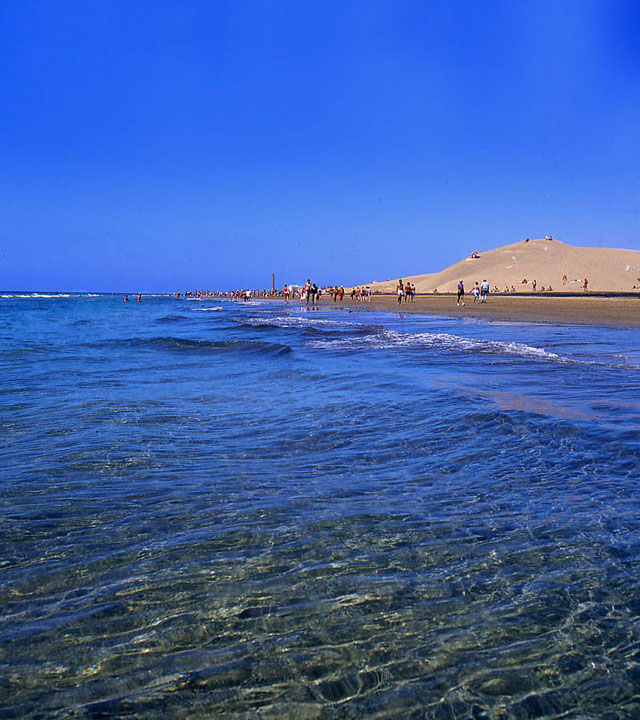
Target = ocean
(217,509)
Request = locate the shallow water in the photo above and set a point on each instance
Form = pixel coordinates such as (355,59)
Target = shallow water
(213,509)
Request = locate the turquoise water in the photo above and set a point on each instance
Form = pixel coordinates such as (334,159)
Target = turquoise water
(250,510)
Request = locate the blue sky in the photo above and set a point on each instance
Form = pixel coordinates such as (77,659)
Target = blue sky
(162,145)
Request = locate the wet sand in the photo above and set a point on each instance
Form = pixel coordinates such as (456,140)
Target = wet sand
(574,310)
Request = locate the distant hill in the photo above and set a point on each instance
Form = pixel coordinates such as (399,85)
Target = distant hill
(542,260)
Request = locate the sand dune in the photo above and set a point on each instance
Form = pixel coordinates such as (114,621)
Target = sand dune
(542,260)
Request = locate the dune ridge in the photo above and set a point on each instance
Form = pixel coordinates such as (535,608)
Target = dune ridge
(544,260)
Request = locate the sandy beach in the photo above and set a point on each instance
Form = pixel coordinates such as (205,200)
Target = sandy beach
(573,310)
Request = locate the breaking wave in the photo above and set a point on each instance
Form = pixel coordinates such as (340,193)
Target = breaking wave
(314,326)
(286,321)
(35,295)
(389,339)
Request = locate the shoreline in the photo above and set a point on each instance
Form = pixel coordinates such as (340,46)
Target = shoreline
(567,310)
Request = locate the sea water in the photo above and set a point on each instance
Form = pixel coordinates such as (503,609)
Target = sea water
(212,509)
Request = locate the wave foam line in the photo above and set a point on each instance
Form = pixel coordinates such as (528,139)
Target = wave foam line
(389,339)
(35,295)
(295,321)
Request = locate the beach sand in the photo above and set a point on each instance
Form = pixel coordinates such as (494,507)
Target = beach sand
(575,310)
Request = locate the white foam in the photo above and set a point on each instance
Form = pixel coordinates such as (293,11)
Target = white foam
(57,295)
(210,309)
(36,295)
(297,321)
(389,339)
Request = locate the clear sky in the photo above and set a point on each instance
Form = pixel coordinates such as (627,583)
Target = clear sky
(161,145)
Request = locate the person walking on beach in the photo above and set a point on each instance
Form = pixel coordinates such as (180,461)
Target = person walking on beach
(400,291)
(585,284)
(460,293)
(475,291)
(484,291)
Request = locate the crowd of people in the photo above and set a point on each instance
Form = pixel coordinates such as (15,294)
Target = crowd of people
(310,293)
(479,292)
(549,287)
(361,294)
(405,291)
(241,294)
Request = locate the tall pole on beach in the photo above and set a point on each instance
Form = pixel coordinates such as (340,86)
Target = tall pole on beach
(273,282)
